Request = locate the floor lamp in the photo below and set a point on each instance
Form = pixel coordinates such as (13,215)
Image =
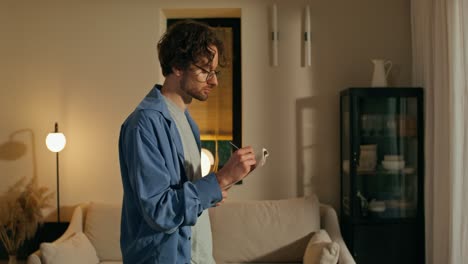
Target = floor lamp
(55,142)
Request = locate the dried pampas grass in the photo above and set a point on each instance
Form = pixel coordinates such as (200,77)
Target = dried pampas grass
(21,212)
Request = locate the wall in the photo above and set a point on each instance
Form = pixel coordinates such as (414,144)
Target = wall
(87,64)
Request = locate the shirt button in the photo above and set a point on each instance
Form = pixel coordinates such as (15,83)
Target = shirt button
(189,238)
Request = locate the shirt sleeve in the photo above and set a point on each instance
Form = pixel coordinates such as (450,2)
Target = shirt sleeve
(164,206)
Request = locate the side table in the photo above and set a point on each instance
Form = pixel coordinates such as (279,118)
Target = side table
(47,232)
(22,261)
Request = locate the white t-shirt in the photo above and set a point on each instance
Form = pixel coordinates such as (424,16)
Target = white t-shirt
(202,244)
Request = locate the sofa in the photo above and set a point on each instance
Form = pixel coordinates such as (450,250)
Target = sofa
(297,230)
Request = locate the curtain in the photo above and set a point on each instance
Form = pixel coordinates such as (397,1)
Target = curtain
(440,65)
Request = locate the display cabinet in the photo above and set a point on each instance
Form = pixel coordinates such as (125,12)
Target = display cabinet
(382,172)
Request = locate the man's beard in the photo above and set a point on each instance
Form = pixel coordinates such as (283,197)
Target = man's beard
(188,94)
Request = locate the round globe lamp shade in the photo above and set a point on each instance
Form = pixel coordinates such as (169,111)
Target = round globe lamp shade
(56,141)
(207,160)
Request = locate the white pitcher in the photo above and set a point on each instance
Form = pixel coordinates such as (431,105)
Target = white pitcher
(381,70)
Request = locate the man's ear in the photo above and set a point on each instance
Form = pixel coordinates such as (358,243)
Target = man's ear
(177,72)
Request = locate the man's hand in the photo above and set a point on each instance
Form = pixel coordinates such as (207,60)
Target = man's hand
(224,192)
(239,165)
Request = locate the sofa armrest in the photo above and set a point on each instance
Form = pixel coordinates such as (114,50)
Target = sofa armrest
(76,225)
(329,222)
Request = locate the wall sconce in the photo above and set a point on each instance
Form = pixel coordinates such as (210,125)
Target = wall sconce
(274,36)
(307,49)
(56,142)
(207,160)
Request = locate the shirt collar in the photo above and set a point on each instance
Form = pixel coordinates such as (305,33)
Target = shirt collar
(154,100)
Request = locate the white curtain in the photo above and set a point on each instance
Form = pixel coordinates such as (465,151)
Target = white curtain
(440,65)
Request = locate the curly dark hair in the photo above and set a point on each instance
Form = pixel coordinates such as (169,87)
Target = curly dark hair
(187,42)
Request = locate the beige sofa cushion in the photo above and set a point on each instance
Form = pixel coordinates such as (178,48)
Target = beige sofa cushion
(264,231)
(102,227)
(75,250)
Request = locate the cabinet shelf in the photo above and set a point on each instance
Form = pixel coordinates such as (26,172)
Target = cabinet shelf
(386,137)
(380,221)
(383,172)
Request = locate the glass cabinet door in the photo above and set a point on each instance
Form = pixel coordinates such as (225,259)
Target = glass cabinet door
(345,145)
(382,173)
(386,163)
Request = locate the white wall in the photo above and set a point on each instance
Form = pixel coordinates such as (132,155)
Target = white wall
(87,64)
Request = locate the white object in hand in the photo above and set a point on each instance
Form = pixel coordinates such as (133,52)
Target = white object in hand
(261,157)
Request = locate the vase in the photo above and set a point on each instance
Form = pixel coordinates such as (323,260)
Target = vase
(381,70)
(12,259)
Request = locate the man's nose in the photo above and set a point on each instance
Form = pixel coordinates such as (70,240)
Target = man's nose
(213,80)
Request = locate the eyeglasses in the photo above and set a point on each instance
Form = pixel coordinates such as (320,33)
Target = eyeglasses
(209,74)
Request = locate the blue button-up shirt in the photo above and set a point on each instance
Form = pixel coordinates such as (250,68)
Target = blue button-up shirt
(159,204)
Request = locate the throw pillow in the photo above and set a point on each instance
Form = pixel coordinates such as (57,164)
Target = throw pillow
(75,250)
(321,250)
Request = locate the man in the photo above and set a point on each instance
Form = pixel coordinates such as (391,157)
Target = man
(159,149)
